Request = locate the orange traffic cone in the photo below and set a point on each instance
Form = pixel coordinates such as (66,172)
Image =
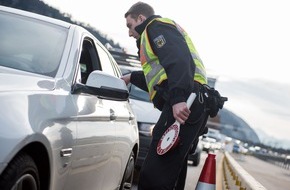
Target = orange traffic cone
(207,177)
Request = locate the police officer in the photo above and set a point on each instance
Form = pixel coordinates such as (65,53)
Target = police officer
(171,70)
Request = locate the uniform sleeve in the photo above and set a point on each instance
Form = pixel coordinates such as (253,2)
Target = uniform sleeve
(138,79)
(170,47)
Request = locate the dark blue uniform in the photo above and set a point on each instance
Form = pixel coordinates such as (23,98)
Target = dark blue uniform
(169,170)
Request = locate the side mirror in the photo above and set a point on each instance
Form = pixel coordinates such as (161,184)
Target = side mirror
(104,86)
(99,79)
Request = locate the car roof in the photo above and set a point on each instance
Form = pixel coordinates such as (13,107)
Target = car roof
(35,16)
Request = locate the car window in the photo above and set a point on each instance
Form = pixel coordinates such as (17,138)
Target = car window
(135,92)
(108,63)
(89,60)
(31,45)
(138,94)
(95,57)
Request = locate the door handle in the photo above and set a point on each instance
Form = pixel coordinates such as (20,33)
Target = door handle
(66,152)
(112,115)
(131,116)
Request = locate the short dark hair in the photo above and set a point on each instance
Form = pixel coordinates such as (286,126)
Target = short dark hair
(140,8)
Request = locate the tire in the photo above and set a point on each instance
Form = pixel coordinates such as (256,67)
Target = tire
(127,181)
(20,174)
(196,160)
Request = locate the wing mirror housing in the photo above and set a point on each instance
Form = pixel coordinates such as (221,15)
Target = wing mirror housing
(104,86)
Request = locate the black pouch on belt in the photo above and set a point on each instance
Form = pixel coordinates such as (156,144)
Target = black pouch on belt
(214,101)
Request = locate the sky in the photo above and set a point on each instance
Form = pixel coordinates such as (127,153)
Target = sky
(244,43)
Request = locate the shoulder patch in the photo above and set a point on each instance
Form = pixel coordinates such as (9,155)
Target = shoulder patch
(159,41)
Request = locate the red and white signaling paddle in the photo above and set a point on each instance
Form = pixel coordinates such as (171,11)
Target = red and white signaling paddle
(170,137)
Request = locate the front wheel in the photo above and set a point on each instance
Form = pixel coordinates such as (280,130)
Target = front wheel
(127,181)
(196,159)
(20,174)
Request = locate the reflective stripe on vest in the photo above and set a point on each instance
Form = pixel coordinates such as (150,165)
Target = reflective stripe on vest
(154,71)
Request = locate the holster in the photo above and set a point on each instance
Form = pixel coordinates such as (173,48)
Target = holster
(214,101)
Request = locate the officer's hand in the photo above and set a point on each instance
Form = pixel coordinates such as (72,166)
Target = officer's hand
(126,78)
(180,112)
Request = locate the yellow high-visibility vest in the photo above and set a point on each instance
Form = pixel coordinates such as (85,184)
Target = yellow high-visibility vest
(154,71)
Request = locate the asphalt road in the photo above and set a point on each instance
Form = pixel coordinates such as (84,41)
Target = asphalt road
(193,172)
(271,176)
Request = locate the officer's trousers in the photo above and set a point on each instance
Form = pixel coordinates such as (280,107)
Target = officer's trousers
(168,171)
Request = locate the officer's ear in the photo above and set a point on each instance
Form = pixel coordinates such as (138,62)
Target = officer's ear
(142,18)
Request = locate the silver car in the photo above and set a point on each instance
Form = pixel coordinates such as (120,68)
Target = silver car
(65,119)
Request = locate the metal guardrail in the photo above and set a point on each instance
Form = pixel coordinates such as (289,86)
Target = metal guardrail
(281,161)
(236,178)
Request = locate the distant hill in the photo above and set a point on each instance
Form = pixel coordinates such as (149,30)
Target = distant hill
(39,7)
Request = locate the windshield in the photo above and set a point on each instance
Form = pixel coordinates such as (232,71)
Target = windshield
(30,45)
(138,94)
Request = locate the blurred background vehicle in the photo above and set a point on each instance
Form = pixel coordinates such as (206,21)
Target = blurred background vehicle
(236,148)
(194,155)
(208,144)
(65,118)
(215,134)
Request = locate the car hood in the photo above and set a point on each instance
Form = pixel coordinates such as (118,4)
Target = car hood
(22,82)
(145,111)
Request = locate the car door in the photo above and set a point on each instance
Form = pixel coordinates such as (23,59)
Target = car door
(95,138)
(124,119)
